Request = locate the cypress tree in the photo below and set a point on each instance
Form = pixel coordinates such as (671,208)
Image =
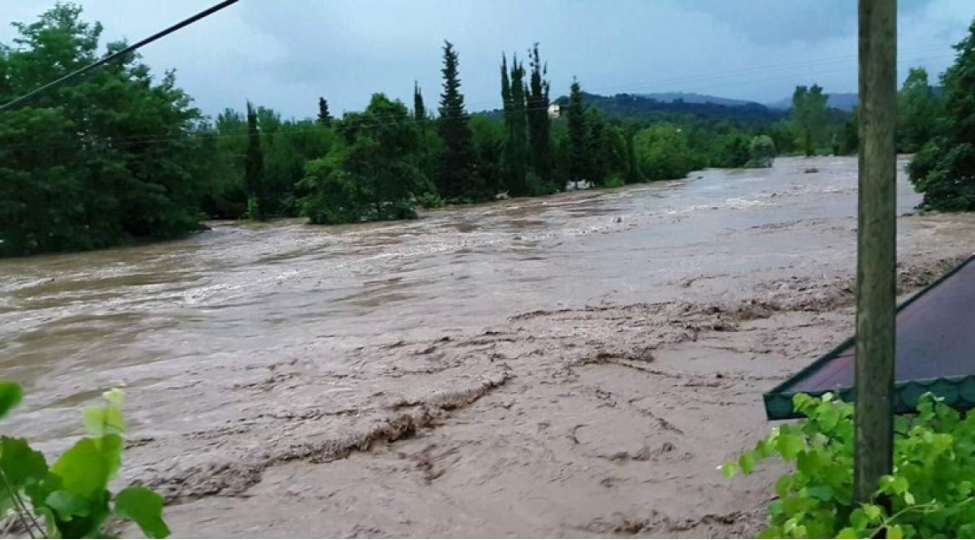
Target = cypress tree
(578,166)
(506,106)
(419,109)
(254,167)
(324,118)
(516,152)
(539,124)
(457,178)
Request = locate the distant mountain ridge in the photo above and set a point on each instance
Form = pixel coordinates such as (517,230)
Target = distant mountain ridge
(662,106)
(691,97)
(842,101)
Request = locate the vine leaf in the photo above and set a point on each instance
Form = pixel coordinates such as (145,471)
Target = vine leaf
(144,507)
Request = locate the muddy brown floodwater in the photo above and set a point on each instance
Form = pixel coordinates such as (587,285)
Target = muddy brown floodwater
(570,366)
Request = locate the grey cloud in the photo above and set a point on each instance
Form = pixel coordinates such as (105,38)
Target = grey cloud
(285,53)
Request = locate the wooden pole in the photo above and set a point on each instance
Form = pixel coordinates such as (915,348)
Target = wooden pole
(876,246)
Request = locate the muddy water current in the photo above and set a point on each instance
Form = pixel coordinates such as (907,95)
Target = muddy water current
(479,371)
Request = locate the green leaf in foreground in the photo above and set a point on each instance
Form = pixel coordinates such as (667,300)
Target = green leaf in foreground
(19,463)
(10,396)
(84,470)
(67,505)
(144,507)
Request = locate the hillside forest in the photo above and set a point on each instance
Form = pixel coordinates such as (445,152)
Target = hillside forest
(123,156)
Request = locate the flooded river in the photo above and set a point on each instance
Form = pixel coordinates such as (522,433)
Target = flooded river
(544,366)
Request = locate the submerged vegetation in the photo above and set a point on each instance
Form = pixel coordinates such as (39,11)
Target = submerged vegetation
(123,156)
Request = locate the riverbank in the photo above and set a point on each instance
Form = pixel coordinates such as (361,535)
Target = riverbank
(572,366)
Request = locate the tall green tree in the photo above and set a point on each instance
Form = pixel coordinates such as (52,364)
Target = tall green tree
(809,116)
(516,121)
(419,109)
(918,111)
(457,178)
(578,162)
(944,170)
(539,123)
(324,117)
(257,199)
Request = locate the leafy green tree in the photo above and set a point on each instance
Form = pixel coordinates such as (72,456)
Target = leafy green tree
(809,116)
(225,140)
(784,136)
(490,139)
(663,153)
(374,175)
(539,123)
(918,111)
(457,179)
(944,170)
(97,163)
(578,135)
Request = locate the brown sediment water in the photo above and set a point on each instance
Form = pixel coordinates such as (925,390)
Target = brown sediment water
(571,366)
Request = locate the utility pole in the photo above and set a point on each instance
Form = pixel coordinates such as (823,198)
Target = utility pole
(876,246)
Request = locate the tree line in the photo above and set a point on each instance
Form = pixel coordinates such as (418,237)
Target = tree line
(122,157)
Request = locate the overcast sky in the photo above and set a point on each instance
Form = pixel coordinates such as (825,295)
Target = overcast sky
(285,53)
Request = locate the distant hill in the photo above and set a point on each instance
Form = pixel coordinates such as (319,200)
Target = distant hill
(671,106)
(642,107)
(842,101)
(690,97)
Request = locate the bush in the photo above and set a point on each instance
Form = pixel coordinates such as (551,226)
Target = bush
(71,497)
(430,200)
(762,151)
(537,187)
(930,493)
(615,181)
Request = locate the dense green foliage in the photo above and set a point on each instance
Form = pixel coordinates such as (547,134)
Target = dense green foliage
(931,493)
(944,169)
(71,499)
(117,157)
(105,161)
(373,173)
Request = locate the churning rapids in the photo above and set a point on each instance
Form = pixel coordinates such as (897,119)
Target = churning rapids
(569,366)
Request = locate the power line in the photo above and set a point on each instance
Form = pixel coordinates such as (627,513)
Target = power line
(119,54)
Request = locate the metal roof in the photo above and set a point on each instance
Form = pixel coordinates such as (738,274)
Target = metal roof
(935,352)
